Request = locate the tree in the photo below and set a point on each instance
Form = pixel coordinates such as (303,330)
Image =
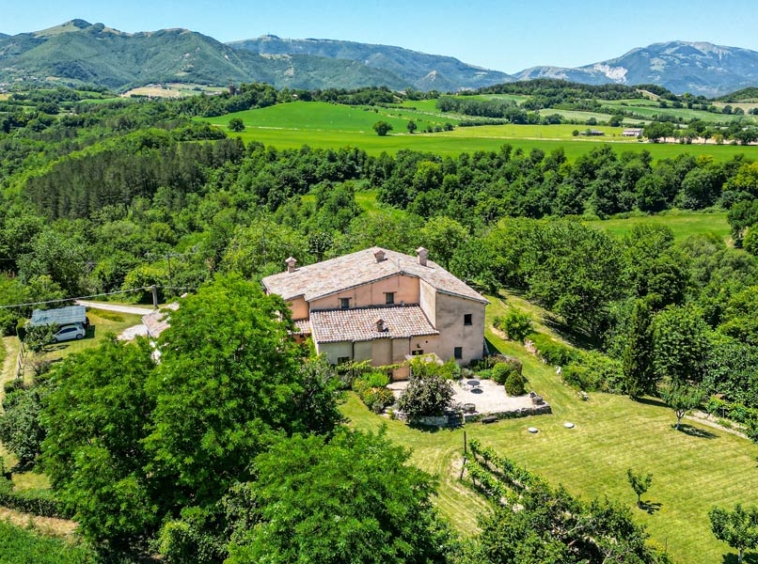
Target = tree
(429,395)
(737,528)
(236,125)
(97,416)
(382,128)
(228,383)
(682,399)
(681,345)
(443,236)
(352,499)
(638,358)
(20,428)
(412,127)
(640,483)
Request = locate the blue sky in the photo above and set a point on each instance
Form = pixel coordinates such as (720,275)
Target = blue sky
(507,35)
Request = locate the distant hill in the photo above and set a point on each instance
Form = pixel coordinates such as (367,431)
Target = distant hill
(80,52)
(745,95)
(420,70)
(698,68)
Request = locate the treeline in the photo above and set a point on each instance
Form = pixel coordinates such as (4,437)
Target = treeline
(562,89)
(479,107)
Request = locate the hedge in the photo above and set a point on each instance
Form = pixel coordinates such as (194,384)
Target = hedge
(37,502)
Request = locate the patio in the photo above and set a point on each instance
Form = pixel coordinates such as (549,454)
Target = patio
(488,397)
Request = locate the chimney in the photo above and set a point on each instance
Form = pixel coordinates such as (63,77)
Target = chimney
(379,255)
(380,328)
(291,262)
(422,252)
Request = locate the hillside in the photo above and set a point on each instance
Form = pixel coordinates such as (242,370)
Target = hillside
(420,70)
(79,52)
(695,67)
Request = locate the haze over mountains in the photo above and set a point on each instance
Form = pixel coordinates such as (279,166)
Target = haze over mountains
(80,52)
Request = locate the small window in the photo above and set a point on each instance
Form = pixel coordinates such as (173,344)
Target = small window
(343,359)
(467,319)
(389,298)
(344,303)
(458,353)
(417,352)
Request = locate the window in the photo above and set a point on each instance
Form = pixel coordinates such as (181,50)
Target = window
(343,359)
(389,298)
(344,303)
(467,319)
(417,352)
(458,353)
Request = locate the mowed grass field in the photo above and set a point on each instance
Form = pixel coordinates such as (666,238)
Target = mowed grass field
(322,125)
(682,223)
(690,473)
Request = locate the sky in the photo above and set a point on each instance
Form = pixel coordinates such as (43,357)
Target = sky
(505,35)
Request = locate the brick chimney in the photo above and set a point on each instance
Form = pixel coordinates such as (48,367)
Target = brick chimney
(379,255)
(291,262)
(422,253)
(379,323)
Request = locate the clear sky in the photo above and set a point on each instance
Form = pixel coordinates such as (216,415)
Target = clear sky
(506,35)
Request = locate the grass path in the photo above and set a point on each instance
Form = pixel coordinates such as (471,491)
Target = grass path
(691,472)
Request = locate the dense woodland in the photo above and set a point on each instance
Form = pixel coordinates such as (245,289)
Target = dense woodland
(115,197)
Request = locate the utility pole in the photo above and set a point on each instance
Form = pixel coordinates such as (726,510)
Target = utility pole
(154,288)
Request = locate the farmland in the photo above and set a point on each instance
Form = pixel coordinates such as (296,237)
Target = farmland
(323,125)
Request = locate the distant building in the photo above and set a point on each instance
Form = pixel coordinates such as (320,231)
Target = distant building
(592,132)
(383,306)
(632,132)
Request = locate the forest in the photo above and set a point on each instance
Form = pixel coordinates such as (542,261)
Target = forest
(186,458)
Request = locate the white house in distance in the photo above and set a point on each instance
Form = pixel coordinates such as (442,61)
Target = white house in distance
(384,306)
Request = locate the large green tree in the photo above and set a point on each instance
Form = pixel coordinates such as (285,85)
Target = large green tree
(638,359)
(738,528)
(352,499)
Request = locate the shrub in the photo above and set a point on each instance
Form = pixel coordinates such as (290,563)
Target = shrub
(594,372)
(427,396)
(515,385)
(502,371)
(37,502)
(371,388)
(553,352)
(516,325)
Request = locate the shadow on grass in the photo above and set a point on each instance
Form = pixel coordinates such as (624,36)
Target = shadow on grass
(655,402)
(731,558)
(650,506)
(696,432)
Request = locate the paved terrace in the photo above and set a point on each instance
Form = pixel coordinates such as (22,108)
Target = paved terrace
(490,397)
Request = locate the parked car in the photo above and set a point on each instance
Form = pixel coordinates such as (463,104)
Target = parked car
(69,333)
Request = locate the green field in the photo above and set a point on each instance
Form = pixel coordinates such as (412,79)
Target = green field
(323,125)
(690,473)
(682,223)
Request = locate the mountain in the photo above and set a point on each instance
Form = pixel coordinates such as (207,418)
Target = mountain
(420,70)
(80,52)
(698,68)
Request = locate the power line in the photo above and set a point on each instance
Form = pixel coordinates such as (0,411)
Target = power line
(77,298)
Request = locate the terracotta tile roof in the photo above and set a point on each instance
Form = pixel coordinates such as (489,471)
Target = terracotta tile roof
(331,276)
(303,326)
(158,321)
(359,324)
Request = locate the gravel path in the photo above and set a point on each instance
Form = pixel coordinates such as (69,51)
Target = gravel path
(136,310)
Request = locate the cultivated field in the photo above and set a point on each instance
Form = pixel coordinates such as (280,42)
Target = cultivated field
(322,125)
(692,471)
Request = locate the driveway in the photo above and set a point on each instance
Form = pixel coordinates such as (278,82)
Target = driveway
(136,310)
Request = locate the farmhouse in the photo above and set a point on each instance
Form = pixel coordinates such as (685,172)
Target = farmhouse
(632,132)
(383,306)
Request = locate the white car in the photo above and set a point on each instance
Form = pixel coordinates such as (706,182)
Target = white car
(69,333)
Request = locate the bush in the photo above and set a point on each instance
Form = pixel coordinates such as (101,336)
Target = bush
(427,396)
(594,372)
(502,371)
(371,388)
(552,352)
(37,502)
(515,385)
(516,325)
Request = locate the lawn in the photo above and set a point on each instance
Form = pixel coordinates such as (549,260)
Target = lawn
(690,473)
(682,223)
(322,125)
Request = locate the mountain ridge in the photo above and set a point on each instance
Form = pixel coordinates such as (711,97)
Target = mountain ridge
(77,52)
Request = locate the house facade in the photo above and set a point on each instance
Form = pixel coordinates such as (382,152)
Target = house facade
(383,306)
